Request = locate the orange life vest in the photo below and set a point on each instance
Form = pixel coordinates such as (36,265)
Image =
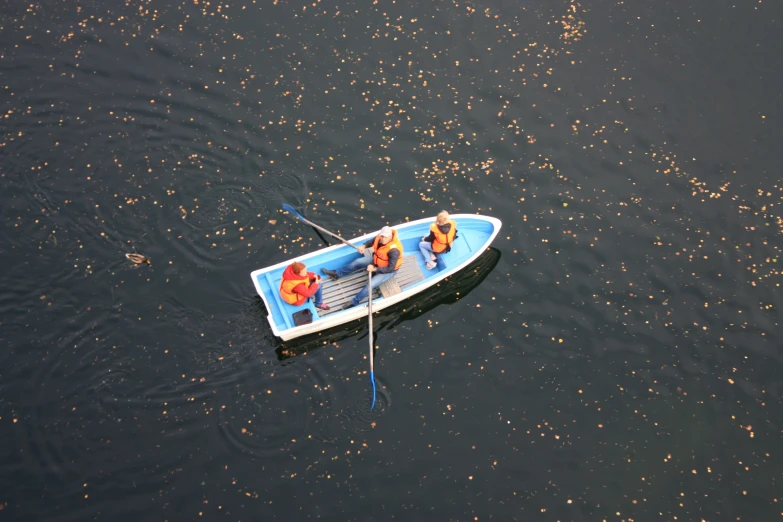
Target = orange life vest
(380,253)
(443,241)
(290,281)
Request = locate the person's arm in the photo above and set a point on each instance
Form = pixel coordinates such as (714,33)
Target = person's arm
(448,247)
(430,238)
(394,255)
(366,245)
(304,290)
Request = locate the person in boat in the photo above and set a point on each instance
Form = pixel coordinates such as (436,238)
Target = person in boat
(385,261)
(442,234)
(298,285)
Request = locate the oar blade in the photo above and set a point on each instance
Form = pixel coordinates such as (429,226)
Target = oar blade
(289,208)
(372,380)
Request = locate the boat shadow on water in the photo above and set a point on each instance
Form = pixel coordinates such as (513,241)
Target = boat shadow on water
(447,292)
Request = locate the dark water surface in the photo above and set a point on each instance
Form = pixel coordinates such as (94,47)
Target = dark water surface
(620,360)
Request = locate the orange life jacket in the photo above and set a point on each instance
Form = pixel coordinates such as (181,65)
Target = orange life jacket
(290,281)
(443,241)
(380,253)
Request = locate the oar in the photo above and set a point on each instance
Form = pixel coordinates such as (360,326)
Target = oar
(290,209)
(369,319)
(318,232)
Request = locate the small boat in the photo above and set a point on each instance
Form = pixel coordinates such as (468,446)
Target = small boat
(474,235)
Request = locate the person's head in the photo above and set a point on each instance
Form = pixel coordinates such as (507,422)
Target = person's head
(299,268)
(443,217)
(386,235)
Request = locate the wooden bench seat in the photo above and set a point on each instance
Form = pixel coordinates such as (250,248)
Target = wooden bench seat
(337,293)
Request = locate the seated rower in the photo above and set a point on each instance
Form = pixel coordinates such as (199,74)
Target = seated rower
(442,234)
(386,260)
(298,285)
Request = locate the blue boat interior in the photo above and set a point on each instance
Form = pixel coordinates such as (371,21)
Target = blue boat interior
(472,236)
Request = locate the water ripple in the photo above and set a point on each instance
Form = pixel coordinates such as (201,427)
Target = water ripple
(282,411)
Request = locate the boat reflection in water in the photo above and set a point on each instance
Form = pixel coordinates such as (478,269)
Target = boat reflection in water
(448,291)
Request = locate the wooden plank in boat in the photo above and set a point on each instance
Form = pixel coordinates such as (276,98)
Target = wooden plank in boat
(390,287)
(337,293)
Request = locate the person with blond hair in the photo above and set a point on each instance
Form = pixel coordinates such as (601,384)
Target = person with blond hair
(298,285)
(442,235)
